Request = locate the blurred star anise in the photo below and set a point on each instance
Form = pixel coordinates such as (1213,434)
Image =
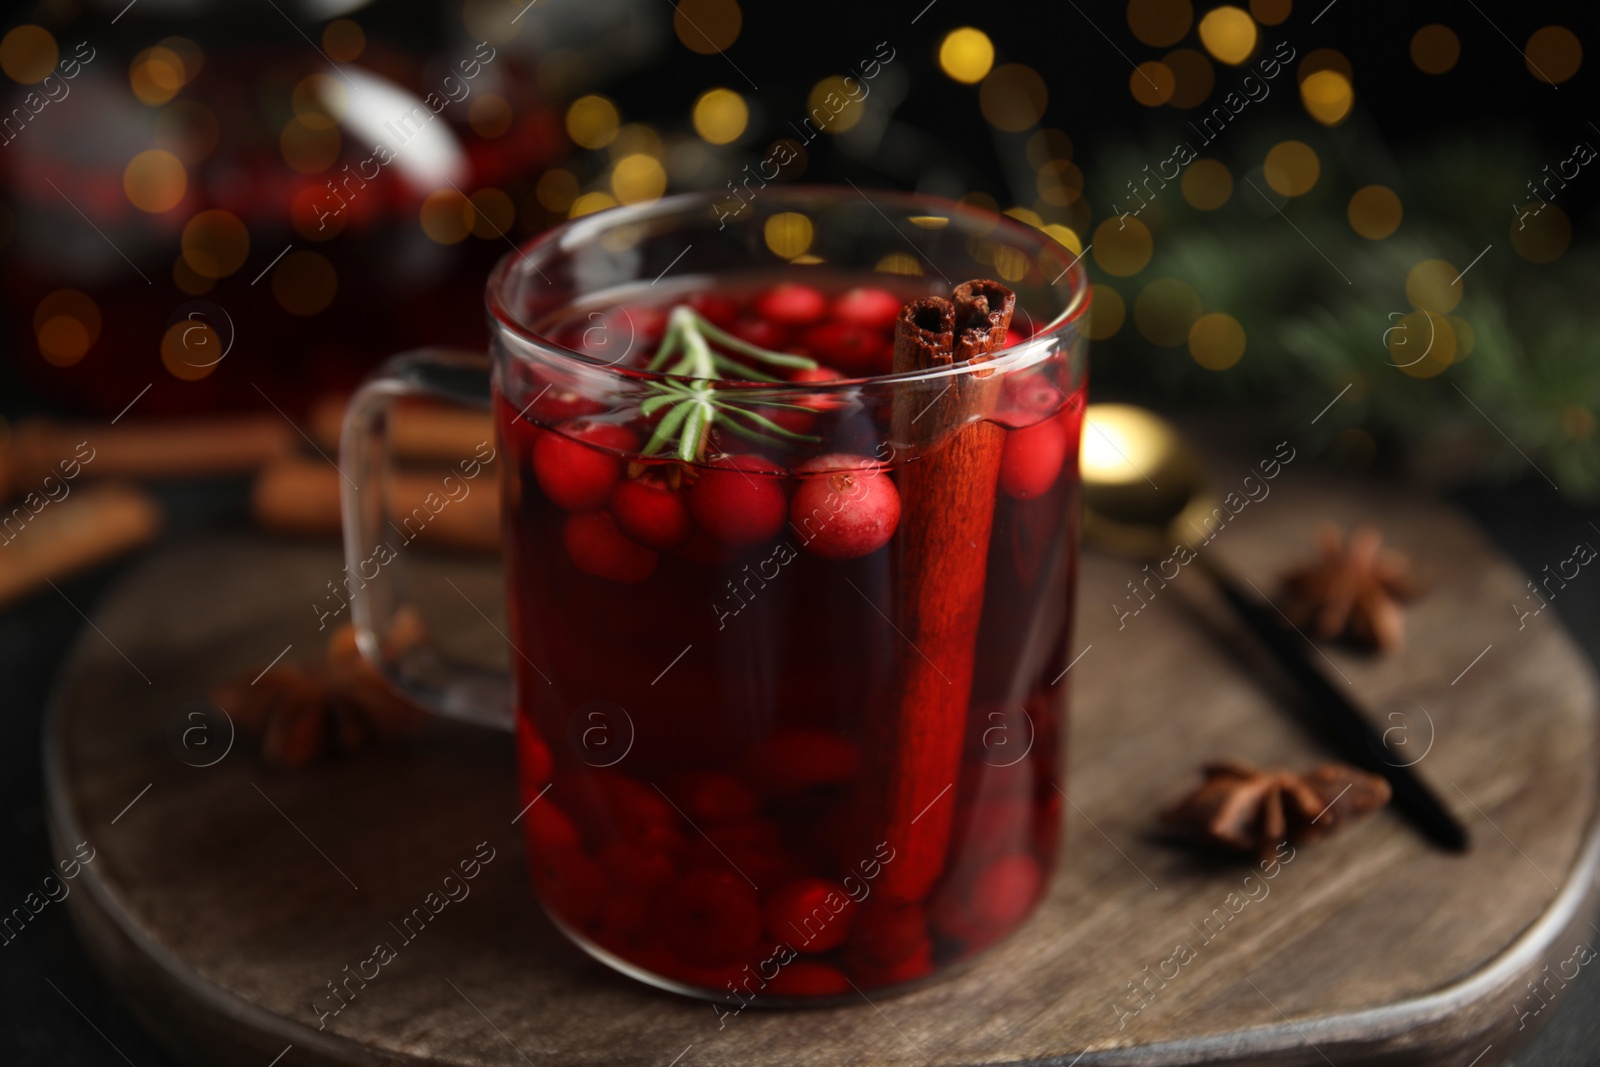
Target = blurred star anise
(1243,809)
(1352,592)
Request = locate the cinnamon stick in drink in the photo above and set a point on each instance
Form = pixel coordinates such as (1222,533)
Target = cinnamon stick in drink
(947,499)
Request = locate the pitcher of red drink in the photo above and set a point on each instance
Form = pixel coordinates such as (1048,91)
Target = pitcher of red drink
(790,527)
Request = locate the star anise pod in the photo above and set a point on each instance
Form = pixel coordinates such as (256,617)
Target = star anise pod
(1352,592)
(1243,809)
(298,711)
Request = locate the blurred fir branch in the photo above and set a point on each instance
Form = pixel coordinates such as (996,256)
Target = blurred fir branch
(1324,308)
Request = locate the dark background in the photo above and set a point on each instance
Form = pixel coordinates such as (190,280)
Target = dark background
(786,48)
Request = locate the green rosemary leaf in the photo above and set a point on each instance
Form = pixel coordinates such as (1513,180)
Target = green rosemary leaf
(745,348)
(694,429)
(666,427)
(764,422)
(740,370)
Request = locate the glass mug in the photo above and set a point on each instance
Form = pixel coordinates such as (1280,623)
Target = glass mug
(788,652)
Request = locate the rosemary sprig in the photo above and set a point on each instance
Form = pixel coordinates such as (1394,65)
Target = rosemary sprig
(693,405)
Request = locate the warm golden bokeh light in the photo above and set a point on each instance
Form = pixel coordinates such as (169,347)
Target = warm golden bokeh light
(1122,246)
(557,189)
(1421,345)
(1059,182)
(66,324)
(1542,238)
(1194,76)
(966,55)
(1229,34)
(720,116)
(1152,83)
(1327,97)
(1216,341)
(638,178)
(1106,312)
(1013,97)
(707,26)
(215,243)
(1435,48)
(788,234)
(1207,184)
(899,263)
(156,75)
(1374,212)
(309,148)
(489,115)
(190,349)
(28,53)
(592,121)
(1270,12)
(836,103)
(1165,310)
(1291,168)
(1160,23)
(1554,54)
(446,216)
(155,181)
(1433,286)
(1324,59)
(1065,236)
(589,203)
(343,40)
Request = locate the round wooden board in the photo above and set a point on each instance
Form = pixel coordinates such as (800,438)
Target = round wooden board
(223,898)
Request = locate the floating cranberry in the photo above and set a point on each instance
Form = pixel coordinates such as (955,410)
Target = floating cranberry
(570,466)
(855,350)
(876,309)
(710,799)
(763,333)
(597,547)
(709,920)
(548,829)
(738,501)
(803,978)
(640,865)
(533,759)
(848,508)
(1014,338)
(1031,396)
(634,811)
(553,404)
(886,933)
(651,512)
(791,305)
(1005,890)
(571,884)
(1032,457)
(797,761)
(917,964)
(811,914)
(719,309)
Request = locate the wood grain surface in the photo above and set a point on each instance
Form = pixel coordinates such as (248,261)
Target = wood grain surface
(225,897)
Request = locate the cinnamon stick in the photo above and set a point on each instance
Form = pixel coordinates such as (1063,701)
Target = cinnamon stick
(91,525)
(422,431)
(947,509)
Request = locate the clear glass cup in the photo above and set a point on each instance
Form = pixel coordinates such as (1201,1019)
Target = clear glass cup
(787,670)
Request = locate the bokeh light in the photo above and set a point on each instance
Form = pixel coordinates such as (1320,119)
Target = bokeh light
(343,40)
(589,203)
(707,26)
(66,324)
(1270,12)
(1207,184)
(1229,34)
(156,75)
(308,148)
(28,53)
(1327,97)
(1152,83)
(155,181)
(1059,182)
(1160,23)
(592,121)
(1421,345)
(836,104)
(1106,312)
(1435,48)
(1291,168)
(1375,212)
(1216,341)
(1122,246)
(305,283)
(638,178)
(1542,238)
(788,234)
(557,189)
(190,349)
(1324,59)
(1433,286)
(215,243)
(1554,54)
(1165,310)
(1013,97)
(1193,74)
(720,116)
(446,216)
(899,263)
(489,115)
(966,54)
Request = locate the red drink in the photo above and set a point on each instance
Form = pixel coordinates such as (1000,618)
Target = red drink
(704,649)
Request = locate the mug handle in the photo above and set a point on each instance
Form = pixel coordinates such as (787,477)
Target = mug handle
(423,675)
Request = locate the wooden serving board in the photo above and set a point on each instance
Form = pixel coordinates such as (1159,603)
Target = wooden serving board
(223,898)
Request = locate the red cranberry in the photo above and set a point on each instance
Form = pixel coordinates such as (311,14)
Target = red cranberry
(571,884)
(719,309)
(848,508)
(874,975)
(803,978)
(1032,458)
(597,547)
(558,404)
(571,468)
(738,502)
(811,914)
(710,799)
(636,811)
(533,759)
(763,333)
(640,865)
(802,421)
(1032,396)
(876,309)
(651,512)
(548,829)
(791,304)
(856,350)
(885,933)
(1005,890)
(709,920)
(795,762)
(1013,338)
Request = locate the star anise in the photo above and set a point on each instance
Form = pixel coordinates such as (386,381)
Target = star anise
(1246,810)
(298,711)
(1352,592)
